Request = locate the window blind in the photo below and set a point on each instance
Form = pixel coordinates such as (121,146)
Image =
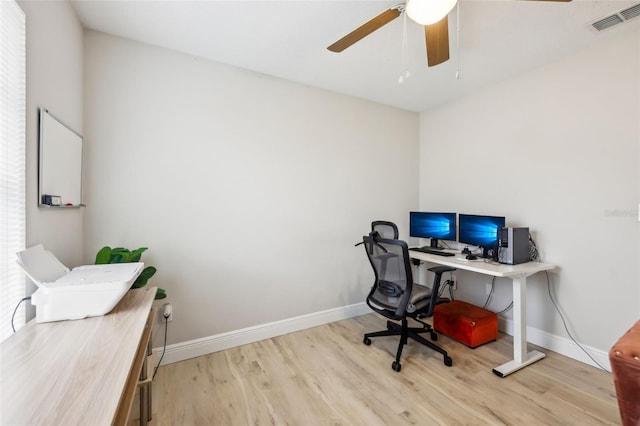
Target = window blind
(12,162)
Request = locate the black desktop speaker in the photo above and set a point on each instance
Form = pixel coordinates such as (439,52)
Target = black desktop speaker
(513,245)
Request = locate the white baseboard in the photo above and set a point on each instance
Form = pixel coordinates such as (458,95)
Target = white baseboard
(206,345)
(559,344)
(218,342)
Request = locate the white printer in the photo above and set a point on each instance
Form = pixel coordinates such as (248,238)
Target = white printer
(85,291)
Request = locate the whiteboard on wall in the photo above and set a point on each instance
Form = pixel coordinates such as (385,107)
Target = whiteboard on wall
(60,161)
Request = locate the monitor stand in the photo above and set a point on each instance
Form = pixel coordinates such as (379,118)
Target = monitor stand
(434,244)
(488,252)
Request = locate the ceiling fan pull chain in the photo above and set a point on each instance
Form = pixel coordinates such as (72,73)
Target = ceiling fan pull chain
(405,49)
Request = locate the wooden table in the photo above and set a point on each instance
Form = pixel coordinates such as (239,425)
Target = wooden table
(77,372)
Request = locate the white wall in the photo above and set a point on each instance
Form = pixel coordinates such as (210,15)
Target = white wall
(556,150)
(250,191)
(54,81)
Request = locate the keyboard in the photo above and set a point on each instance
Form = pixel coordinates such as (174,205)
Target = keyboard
(432,251)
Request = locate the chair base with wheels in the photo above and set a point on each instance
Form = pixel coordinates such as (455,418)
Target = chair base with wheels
(422,294)
(405,332)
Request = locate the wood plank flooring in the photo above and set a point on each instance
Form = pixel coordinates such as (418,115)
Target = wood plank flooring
(327,376)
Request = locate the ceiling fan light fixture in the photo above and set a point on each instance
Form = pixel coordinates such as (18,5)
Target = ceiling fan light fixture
(427,12)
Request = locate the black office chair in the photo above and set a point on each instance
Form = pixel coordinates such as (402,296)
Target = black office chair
(395,296)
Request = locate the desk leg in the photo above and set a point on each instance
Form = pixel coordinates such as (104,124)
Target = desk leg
(143,405)
(520,356)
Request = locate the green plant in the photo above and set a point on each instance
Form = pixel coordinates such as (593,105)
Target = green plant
(122,255)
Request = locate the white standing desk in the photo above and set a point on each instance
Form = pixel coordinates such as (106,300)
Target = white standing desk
(518,275)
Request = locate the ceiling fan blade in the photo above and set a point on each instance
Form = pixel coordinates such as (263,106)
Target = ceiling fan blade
(364,30)
(437,38)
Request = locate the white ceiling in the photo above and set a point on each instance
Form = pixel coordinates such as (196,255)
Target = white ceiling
(288,39)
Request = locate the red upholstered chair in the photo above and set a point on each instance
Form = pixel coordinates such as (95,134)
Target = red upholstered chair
(625,366)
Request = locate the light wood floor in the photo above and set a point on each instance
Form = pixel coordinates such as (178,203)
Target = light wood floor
(327,376)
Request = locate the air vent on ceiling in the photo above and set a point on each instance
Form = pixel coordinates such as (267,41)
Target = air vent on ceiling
(617,18)
(632,12)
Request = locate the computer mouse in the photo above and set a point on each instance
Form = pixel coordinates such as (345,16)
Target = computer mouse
(471,257)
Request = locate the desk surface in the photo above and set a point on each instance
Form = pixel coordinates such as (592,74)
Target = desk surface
(481,266)
(72,372)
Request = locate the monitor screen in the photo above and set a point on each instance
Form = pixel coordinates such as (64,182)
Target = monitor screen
(481,231)
(437,226)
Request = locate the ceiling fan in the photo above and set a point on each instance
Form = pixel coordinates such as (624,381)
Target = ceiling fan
(433,14)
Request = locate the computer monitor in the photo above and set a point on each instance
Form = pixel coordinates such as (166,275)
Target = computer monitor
(437,226)
(481,231)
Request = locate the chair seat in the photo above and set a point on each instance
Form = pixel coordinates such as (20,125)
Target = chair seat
(420,296)
(420,292)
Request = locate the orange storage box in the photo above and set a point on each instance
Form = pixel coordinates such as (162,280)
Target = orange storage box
(466,323)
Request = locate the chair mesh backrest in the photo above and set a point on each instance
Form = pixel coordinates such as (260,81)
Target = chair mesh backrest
(393,282)
(385,229)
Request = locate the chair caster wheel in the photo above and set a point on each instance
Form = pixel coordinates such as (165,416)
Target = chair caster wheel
(366,341)
(434,336)
(396,366)
(448,361)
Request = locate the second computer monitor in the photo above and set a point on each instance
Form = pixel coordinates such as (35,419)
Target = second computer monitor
(437,226)
(481,231)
